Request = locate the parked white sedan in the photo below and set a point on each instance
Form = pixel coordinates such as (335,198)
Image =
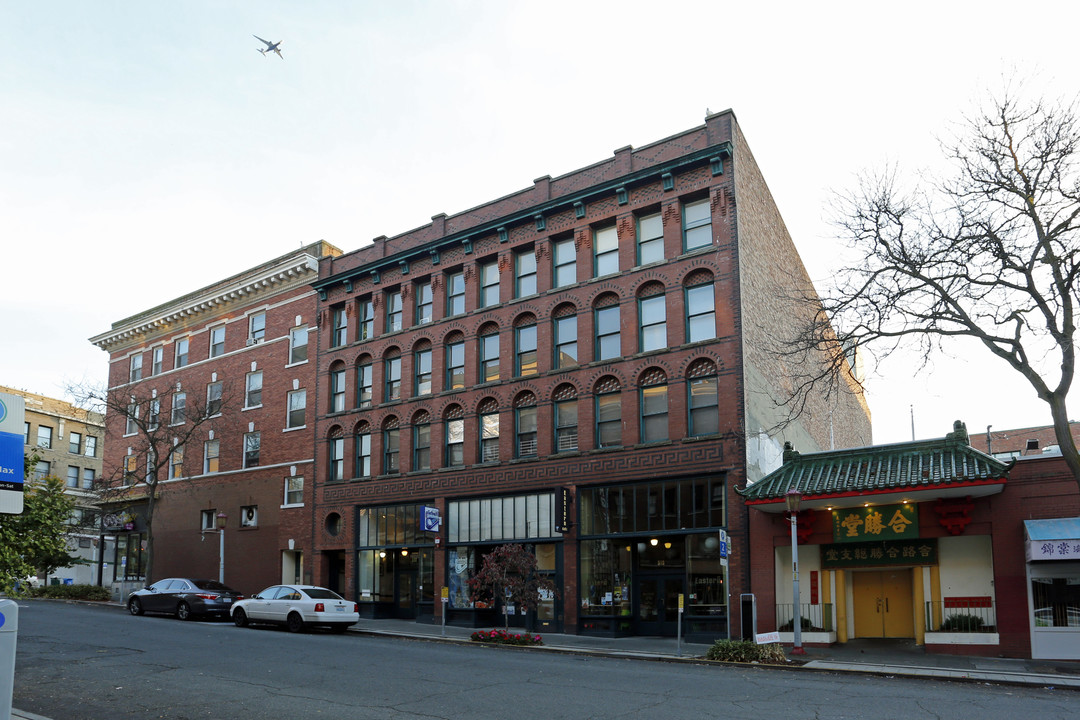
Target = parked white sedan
(296,607)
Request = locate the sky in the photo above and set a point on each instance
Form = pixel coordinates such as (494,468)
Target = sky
(147,150)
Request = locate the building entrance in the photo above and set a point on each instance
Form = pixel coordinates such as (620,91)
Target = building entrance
(657,603)
(883,606)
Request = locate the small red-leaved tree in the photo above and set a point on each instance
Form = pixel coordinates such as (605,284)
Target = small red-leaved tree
(509,572)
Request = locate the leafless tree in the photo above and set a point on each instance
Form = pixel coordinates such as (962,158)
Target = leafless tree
(157,428)
(987,253)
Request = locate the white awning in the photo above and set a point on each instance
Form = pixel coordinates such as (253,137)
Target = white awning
(1052,539)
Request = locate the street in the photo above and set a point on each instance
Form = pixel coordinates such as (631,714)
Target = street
(95,662)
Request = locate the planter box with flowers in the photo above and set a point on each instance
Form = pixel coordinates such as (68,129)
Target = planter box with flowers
(501,637)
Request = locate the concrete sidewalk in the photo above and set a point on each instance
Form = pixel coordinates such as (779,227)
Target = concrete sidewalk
(878,657)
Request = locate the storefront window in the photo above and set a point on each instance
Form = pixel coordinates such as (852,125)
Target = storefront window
(706,576)
(1056,601)
(374,576)
(462,567)
(649,507)
(605,577)
(130,555)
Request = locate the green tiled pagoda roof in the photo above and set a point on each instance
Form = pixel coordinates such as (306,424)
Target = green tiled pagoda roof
(917,465)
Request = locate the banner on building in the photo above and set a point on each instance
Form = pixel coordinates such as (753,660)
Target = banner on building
(12,431)
(914,551)
(881,522)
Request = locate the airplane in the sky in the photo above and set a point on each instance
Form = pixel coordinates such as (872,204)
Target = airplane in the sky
(270,47)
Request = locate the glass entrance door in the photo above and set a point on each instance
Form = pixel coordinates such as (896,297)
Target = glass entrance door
(657,604)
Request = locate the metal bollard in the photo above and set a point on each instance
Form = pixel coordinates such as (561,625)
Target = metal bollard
(9,633)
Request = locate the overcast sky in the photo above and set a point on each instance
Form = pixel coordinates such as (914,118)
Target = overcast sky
(147,150)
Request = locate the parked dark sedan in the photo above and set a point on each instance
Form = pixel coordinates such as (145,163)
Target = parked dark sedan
(184,598)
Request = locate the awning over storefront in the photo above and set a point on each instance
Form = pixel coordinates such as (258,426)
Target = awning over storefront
(1052,539)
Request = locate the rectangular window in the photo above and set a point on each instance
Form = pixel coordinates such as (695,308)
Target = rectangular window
(130,464)
(213,399)
(298,342)
(153,415)
(253,389)
(365,320)
(132,420)
(217,341)
(211,453)
(74,442)
(566,350)
(455,442)
(608,340)
(704,406)
(72,480)
(91,446)
(294,491)
(653,332)
(336,459)
(393,311)
(425,303)
(337,391)
(179,408)
(525,420)
(363,455)
(489,437)
(489,358)
(176,462)
(339,327)
(249,516)
(252,445)
(650,237)
(297,409)
(605,251)
(654,413)
(257,328)
(700,313)
(157,360)
(88,477)
(455,294)
(489,284)
(136,368)
(208,519)
(393,380)
(564,258)
(524,273)
(455,366)
(525,351)
(181,352)
(422,368)
(42,470)
(608,420)
(363,386)
(566,425)
(697,224)
(422,447)
(391,448)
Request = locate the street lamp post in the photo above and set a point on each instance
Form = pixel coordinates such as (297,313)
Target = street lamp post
(219,523)
(793,498)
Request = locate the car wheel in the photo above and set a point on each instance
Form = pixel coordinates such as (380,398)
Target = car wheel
(239,617)
(135,606)
(183,611)
(294,623)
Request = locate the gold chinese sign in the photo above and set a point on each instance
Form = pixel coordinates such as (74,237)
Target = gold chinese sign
(914,551)
(884,522)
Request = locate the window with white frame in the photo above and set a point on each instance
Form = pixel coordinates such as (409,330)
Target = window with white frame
(298,345)
(455,437)
(566,422)
(566,336)
(703,406)
(391,448)
(131,420)
(297,404)
(157,360)
(249,516)
(363,450)
(136,368)
(257,328)
(339,327)
(176,462)
(524,273)
(455,294)
(489,431)
(252,446)
(652,314)
(700,313)
(650,238)
(425,303)
(697,224)
(489,356)
(213,399)
(653,402)
(294,491)
(217,341)
(253,389)
(489,284)
(211,456)
(422,371)
(392,386)
(525,350)
(74,442)
(363,385)
(455,362)
(337,389)
(608,413)
(365,313)
(608,333)
(44,437)
(421,442)
(90,449)
(525,445)
(208,520)
(605,251)
(179,408)
(335,458)
(153,414)
(394,310)
(181,353)
(72,480)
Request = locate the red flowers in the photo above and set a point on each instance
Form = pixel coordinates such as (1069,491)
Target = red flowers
(504,638)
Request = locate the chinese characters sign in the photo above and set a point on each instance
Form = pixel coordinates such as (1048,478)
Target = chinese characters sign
(885,522)
(914,551)
(1053,549)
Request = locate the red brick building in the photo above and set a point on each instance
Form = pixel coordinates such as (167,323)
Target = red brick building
(932,540)
(239,351)
(583,366)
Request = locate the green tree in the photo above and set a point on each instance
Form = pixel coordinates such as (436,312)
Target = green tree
(509,573)
(988,254)
(35,541)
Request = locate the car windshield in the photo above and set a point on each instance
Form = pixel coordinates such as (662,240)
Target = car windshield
(213,585)
(322,594)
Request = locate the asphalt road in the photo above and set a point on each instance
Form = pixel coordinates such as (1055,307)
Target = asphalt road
(86,662)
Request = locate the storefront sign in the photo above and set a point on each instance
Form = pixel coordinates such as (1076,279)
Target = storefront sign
(883,522)
(431,522)
(12,418)
(562,510)
(914,551)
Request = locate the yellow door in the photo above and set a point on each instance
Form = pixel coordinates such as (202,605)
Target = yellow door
(883,606)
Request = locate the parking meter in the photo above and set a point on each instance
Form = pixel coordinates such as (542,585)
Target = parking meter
(9,632)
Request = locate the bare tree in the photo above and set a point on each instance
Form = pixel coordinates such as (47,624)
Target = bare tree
(157,429)
(988,253)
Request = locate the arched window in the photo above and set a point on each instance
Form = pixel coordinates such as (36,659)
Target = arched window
(488,411)
(703,398)
(525,425)
(422,368)
(455,361)
(608,394)
(454,422)
(363,382)
(336,455)
(565,403)
(391,446)
(608,327)
(421,459)
(363,450)
(337,388)
(652,318)
(525,345)
(700,307)
(653,401)
(566,336)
